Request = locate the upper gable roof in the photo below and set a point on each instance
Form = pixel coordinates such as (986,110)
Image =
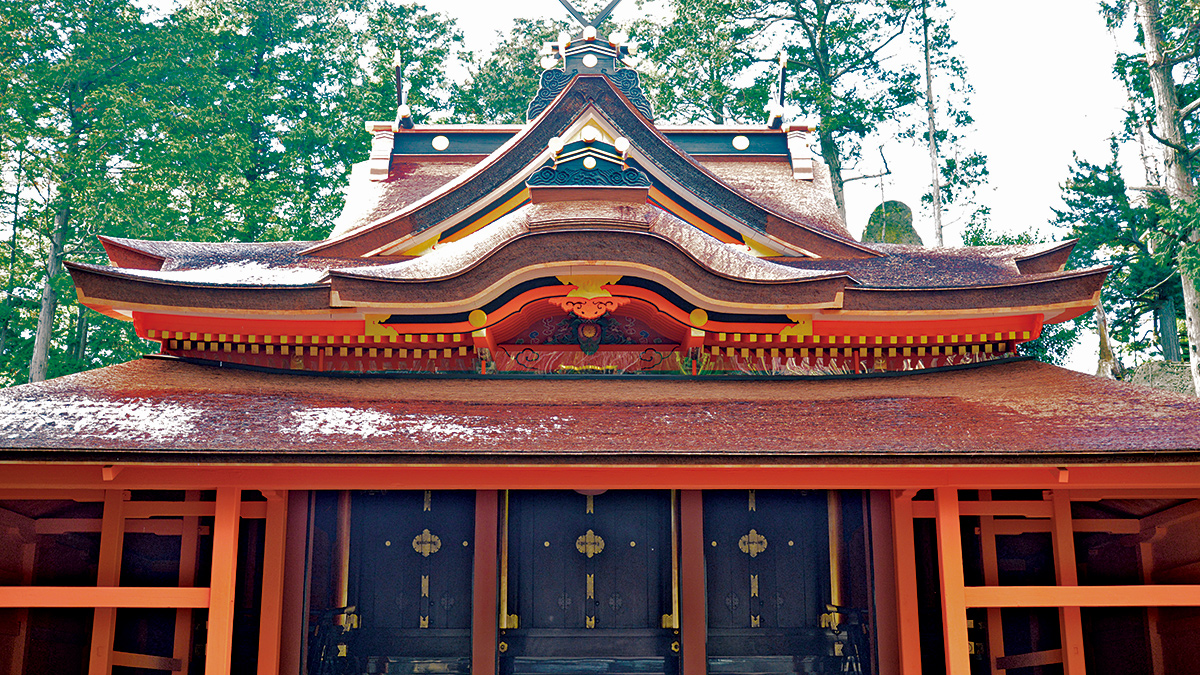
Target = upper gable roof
(595,97)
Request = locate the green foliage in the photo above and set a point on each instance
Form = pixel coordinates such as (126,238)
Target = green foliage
(1113,231)
(502,85)
(699,67)
(891,223)
(228,120)
(1057,339)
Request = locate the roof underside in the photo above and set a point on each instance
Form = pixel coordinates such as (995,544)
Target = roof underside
(157,410)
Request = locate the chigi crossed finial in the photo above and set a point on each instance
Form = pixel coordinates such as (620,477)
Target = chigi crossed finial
(595,23)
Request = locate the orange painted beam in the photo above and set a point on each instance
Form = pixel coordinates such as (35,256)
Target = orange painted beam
(104,619)
(1161,595)
(103,596)
(1029,509)
(271,615)
(953,583)
(1113,480)
(693,605)
(908,623)
(224,581)
(484,608)
(1070,621)
(883,570)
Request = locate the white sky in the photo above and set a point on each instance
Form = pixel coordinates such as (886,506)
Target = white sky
(1042,74)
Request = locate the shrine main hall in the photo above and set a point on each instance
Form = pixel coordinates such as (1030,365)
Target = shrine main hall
(594,395)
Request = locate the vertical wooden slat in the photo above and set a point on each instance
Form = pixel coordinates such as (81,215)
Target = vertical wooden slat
(953,582)
(294,589)
(342,579)
(112,541)
(908,624)
(271,616)
(887,647)
(1153,636)
(991,577)
(1070,623)
(224,581)
(692,605)
(16,664)
(188,550)
(483,603)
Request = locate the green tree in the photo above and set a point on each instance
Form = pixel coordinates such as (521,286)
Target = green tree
(501,86)
(1113,231)
(838,73)
(700,67)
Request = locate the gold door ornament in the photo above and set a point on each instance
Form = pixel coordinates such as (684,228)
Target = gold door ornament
(752,543)
(427,543)
(590,543)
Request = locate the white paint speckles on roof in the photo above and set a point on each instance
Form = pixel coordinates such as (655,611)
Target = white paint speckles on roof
(239,273)
(128,420)
(314,423)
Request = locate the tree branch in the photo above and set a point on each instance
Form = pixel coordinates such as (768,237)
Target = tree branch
(1187,152)
(887,171)
(1188,109)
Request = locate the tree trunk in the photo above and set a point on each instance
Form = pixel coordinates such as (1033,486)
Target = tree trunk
(1178,181)
(39,363)
(934,163)
(1109,366)
(12,255)
(81,335)
(1168,331)
(829,152)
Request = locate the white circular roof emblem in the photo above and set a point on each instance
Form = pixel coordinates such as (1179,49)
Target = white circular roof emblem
(440,143)
(589,61)
(741,142)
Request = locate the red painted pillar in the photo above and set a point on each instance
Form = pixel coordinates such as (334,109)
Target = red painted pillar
(484,622)
(224,581)
(954,593)
(693,607)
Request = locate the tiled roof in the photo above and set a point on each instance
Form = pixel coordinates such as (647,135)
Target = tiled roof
(1014,412)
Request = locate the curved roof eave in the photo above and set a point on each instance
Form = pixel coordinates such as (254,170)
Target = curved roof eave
(525,148)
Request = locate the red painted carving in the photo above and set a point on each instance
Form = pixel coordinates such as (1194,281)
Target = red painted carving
(589,309)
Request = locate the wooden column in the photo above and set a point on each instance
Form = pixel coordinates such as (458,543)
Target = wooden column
(991,577)
(294,588)
(883,559)
(112,541)
(693,607)
(224,581)
(484,609)
(189,543)
(953,582)
(28,546)
(1070,623)
(270,625)
(1153,636)
(908,624)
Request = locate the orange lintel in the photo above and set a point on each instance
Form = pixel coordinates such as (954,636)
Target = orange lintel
(1114,480)
(104,596)
(1163,595)
(1029,509)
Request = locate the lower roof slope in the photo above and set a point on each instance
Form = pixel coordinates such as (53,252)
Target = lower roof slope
(1022,412)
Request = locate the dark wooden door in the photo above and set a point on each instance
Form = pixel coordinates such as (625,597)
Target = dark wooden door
(411,568)
(767,565)
(589,578)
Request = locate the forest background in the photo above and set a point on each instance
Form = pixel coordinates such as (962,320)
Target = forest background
(238,120)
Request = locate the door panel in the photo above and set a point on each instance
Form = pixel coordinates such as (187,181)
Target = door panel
(590,581)
(412,556)
(767,564)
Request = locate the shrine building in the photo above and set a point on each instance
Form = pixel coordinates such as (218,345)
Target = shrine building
(594,395)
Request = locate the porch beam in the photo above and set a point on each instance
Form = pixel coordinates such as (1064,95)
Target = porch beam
(224,581)
(108,575)
(953,582)
(271,615)
(1160,595)
(693,604)
(908,623)
(1029,509)
(484,606)
(1066,573)
(102,597)
(1163,480)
